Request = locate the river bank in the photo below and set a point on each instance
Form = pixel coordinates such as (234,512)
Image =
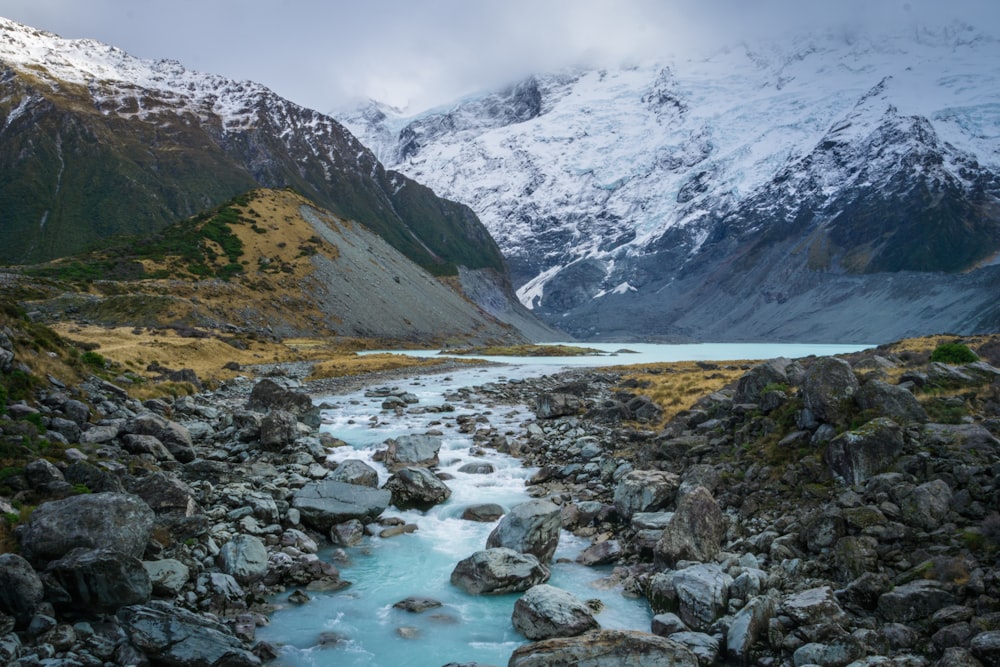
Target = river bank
(810,514)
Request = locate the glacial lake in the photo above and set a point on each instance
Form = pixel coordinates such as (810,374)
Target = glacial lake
(358,626)
(616,354)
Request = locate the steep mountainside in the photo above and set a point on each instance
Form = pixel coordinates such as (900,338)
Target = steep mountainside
(270,264)
(836,187)
(94,142)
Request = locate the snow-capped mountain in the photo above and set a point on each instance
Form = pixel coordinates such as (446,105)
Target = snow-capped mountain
(96,143)
(844,162)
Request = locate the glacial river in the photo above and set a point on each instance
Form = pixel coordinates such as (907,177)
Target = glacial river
(358,626)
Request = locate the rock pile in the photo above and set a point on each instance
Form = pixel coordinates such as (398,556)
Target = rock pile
(815,513)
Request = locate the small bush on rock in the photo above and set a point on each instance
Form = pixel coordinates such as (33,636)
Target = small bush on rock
(953,353)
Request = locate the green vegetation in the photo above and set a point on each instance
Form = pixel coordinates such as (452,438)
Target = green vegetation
(192,246)
(93,359)
(953,353)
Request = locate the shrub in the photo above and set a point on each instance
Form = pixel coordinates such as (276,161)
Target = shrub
(953,353)
(92,358)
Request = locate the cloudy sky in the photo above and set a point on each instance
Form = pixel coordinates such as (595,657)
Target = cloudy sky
(326,54)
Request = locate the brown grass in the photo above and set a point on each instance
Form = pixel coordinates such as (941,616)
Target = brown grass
(676,386)
(369,363)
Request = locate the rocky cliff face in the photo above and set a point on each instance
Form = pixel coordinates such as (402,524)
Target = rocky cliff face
(840,174)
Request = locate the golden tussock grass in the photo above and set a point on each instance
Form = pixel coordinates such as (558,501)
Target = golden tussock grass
(676,386)
(369,363)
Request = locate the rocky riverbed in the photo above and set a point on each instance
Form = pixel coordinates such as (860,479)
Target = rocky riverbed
(814,513)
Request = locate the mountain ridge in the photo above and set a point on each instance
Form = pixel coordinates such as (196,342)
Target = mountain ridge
(875,155)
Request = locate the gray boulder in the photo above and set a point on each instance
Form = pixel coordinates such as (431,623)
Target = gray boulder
(412,451)
(174,636)
(747,627)
(813,606)
(268,395)
(166,494)
(278,429)
(168,576)
(694,532)
(175,437)
(546,611)
(134,443)
(750,386)
(600,553)
(986,647)
(550,405)
(645,491)
(892,401)
(416,488)
(531,527)
(102,580)
(605,648)
(927,505)
(698,594)
(93,521)
(244,557)
(485,512)
(325,503)
(857,455)
(499,570)
(355,471)
(21,589)
(347,534)
(914,601)
(829,388)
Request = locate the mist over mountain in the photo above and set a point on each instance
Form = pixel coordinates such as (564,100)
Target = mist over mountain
(834,186)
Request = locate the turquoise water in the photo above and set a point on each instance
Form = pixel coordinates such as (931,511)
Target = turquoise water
(615,354)
(466,628)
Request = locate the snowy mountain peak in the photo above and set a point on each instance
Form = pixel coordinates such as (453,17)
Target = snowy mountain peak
(583,177)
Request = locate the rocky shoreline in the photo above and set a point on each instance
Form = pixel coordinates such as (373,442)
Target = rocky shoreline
(811,514)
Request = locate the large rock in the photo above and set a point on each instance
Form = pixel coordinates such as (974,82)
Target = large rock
(605,648)
(102,580)
(927,505)
(694,532)
(93,521)
(173,636)
(813,606)
(269,395)
(767,374)
(175,437)
(913,601)
(550,405)
(278,429)
(416,488)
(645,491)
(410,451)
(829,388)
(531,527)
(892,401)
(325,503)
(855,456)
(500,570)
(244,557)
(698,594)
(166,494)
(747,627)
(355,471)
(546,611)
(168,576)
(21,589)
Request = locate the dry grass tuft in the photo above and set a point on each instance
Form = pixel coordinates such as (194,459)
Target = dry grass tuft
(369,363)
(676,386)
